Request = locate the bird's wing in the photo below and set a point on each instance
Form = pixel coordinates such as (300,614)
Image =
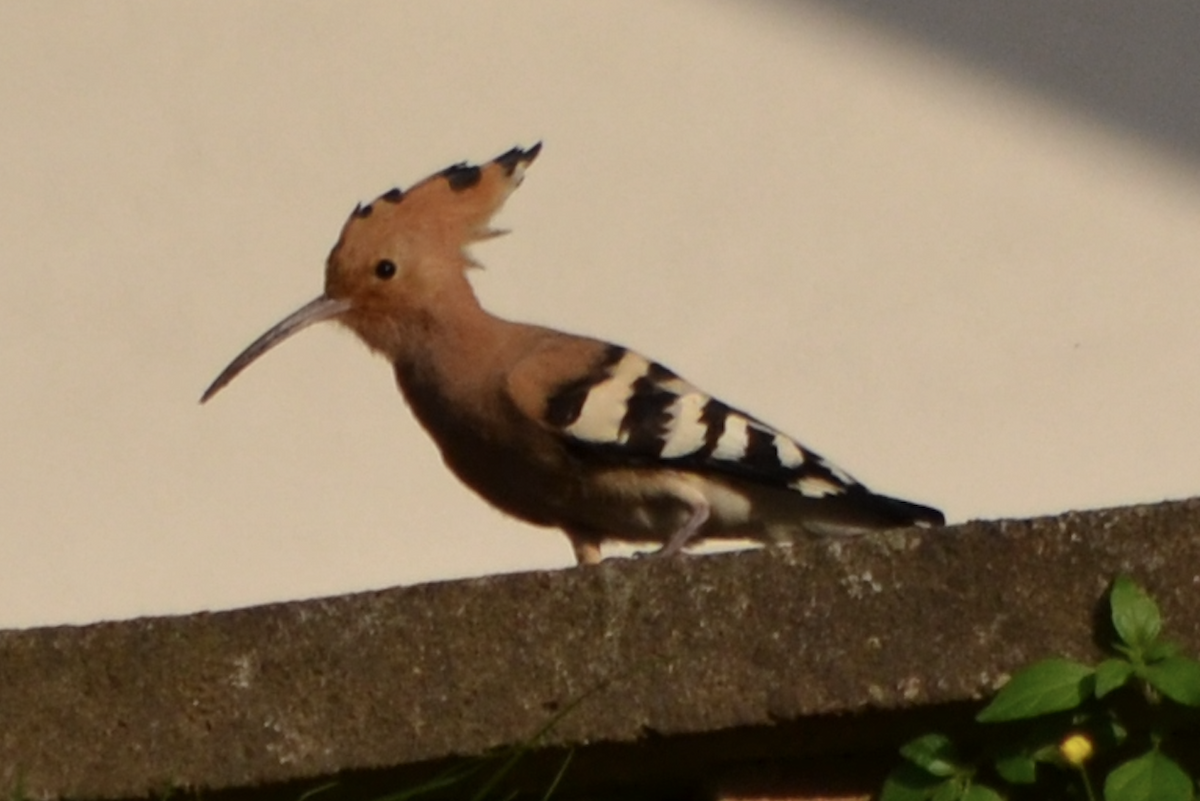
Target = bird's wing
(617,407)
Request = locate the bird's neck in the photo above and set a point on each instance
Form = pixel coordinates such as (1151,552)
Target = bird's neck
(448,350)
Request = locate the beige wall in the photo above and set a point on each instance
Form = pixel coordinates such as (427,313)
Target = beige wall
(964,289)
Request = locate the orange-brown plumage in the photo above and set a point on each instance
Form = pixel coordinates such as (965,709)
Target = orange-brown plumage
(556,429)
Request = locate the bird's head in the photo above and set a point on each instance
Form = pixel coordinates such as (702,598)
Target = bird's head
(397,255)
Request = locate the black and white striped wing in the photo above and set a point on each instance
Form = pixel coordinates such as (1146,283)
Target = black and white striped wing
(632,410)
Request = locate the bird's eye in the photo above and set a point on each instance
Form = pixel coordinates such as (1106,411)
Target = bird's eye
(385,269)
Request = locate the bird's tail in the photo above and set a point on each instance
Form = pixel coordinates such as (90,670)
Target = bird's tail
(859,509)
(907,513)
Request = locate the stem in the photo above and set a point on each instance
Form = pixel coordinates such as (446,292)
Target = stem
(1087,783)
(1148,692)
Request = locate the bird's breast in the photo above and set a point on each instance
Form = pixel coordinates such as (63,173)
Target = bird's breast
(510,462)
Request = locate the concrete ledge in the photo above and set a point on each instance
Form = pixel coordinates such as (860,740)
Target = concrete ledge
(758,650)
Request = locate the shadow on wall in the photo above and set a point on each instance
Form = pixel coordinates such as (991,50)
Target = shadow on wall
(1132,66)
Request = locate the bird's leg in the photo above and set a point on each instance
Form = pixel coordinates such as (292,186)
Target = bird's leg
(587,548)
(699,514)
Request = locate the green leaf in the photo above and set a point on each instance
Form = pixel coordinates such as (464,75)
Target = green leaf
(1017,768)
(1111,674)
(951,790)
(1051,685)
(1047,753)
(910,783)
(933,753)
(1134,613)
(1159,649)
(1176,677)
(1150,777)
(981,792)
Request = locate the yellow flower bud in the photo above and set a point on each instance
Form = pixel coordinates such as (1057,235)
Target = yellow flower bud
(1076,749)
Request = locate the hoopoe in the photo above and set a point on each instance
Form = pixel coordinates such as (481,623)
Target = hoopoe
(556,429)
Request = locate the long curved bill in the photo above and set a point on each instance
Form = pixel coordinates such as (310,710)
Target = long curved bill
(315,311)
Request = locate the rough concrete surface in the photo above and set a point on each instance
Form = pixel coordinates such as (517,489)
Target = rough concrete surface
(734,650)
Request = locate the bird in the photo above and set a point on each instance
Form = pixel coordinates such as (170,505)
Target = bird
(560,430)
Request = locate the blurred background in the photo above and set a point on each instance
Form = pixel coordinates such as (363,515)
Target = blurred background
(951,246)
